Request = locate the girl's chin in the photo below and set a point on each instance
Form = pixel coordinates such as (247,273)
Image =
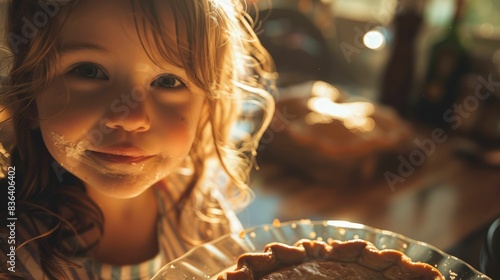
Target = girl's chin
(119,188)
(120,193)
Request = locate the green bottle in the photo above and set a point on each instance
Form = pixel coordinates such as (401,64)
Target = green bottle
(449,62)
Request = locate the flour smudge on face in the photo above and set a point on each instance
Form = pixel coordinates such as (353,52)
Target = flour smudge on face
(79,154)
(72,150)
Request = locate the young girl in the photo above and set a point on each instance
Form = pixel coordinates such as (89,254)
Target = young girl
(124,112)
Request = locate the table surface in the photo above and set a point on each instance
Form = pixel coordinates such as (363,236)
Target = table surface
(441,203)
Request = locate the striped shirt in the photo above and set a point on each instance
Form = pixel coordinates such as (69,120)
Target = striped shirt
(201,223)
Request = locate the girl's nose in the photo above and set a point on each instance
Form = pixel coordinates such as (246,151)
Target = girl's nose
(130,113)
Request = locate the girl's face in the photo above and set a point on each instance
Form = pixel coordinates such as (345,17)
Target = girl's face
(112,117)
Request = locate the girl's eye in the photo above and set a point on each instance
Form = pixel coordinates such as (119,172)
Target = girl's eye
(167,81)
(89,71)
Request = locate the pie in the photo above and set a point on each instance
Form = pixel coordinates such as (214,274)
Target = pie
(351,149)
(314,260)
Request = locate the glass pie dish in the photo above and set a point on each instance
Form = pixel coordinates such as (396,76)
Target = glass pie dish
(211,259)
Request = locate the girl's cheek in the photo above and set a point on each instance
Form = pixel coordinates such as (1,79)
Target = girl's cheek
(50,101)
(58,104)
(70,150)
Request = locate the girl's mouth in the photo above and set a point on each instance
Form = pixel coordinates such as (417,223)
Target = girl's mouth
(121,159)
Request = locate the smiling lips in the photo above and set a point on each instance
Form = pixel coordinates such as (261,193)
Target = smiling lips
(123,156)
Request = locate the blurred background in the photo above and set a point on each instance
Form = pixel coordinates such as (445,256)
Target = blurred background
(352,42)
(388,114)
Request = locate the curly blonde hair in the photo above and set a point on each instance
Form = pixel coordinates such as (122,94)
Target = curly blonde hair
(235,70)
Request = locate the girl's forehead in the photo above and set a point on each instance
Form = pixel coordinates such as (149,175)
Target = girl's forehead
(95,14)
(103,21)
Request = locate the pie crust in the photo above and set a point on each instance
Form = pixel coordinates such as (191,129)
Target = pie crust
(308,259)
